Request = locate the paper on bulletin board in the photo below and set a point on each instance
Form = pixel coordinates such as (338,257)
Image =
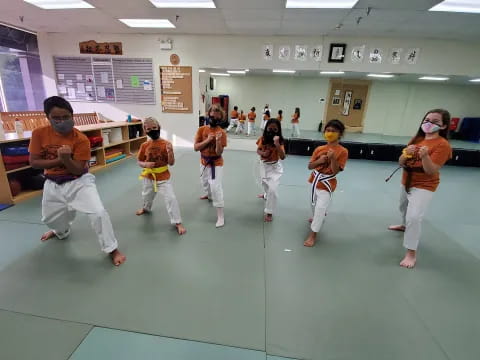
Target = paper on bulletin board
(147,85)
(89,88)
(89,78)
(80,88)
(109,93)
(61,76)
(135,82)
(104,77)
(119,83)
(70,82)
(337,92)
(79,77)
(62,89)
(100,91)
(71,93)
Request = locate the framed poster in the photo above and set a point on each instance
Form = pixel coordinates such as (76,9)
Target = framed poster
(358,54)
(376,56)
(337,53)
(316,53)
(268,52)
(412,56)
(346,102)
(357,104)
(284,53)
(336,100)
(300,52)
(395,56)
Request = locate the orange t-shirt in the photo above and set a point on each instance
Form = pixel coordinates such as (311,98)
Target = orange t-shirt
(234,114)
(295,118)
(45,142)
(155,151)
(252,116)
(202,135)
(273,156)
(440,152)
(340,153)
(242,118)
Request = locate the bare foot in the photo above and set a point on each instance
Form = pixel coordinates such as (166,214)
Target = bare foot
(142,211)
(396,228)
(409,260)
(204,197)
(261,196)
(48,235)
(268,218)
(117,257)
(310,242)
(180,229)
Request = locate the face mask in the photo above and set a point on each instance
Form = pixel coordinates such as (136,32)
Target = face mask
(271,133)
(430,128)
(213,122)
(63,127)
(154,134)
(331,136)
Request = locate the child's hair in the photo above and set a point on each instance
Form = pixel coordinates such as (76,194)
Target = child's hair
(279,126)
(336,124)
(280,112)
(297,111)
(216,108)
(235,108)
(56,101)
(267,113)
(420,135)
(152,120)
(252,109)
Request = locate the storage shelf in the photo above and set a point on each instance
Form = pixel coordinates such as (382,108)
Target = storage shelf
(25,195)
(19,169)
(139,138)
(115,144)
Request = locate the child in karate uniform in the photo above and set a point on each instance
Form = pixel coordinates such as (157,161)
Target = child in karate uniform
(296,123)
(422,160)
(251,122)
(210,141)
(241,123)
(233,119)
(154,157)
(64,152)
(271,149)
(326,162)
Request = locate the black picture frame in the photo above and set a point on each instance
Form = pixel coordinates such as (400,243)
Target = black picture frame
(337,53)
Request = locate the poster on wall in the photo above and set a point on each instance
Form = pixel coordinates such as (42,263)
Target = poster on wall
(284,53)
(395,56)
(346,102)
(267,52)
(337,53)
(376,56)
(358,54)
(336,100)
(357,104)
(411,56)
(92,47)
(300,52)
(176,85)
(316,53)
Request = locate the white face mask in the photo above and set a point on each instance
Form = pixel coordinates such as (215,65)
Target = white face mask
(430,128)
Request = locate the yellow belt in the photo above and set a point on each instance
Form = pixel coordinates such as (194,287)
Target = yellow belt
(153,172)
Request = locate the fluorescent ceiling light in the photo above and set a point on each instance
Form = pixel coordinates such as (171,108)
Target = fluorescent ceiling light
(475,80)
(202,4)
(201,70)
(464,6)
(433,78)
(242,72)
(321,4)
(219,74)
(284,71)
(60,4)
(247,70)
(148,23)
(381,75)
(332,72)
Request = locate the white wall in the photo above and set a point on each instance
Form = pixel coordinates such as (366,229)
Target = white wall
(437,57)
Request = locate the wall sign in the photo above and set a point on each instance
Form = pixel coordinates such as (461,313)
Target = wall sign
(376,56)
(358,54)
(284,53)
(395,56)
(316,53)
(337,53)
(92,47)
(412,56)
(300,52)
(176,84)
(268,52)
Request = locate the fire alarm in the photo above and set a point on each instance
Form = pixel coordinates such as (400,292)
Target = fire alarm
(174,59)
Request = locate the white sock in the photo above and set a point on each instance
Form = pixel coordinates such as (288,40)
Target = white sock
(220,218)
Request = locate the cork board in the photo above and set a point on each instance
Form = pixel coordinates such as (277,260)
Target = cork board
(176,83)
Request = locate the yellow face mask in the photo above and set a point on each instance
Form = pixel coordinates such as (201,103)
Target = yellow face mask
(331,136)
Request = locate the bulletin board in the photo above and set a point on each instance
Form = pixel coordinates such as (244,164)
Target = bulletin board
(105,79)
(176,84)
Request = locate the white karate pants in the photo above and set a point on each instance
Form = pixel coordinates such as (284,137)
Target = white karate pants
(212,187)
(319,208)
(164,188)
(271,181)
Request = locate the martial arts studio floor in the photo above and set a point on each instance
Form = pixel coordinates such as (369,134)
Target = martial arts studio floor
(248,289)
